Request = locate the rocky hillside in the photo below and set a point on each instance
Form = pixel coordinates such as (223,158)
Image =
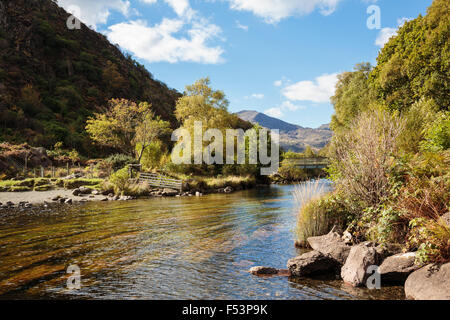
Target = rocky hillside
(292,137)
(53,78)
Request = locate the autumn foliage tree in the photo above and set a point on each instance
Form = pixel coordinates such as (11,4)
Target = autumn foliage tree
(126,126)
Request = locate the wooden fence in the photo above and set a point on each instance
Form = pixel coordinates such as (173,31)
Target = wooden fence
(159,180)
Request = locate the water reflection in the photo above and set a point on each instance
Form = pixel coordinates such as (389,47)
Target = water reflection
(178,248)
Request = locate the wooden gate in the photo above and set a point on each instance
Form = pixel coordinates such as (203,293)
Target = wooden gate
(161,181)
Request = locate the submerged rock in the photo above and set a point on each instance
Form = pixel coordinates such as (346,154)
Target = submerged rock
(359,259)
(331,245)
(398,267)
(263,270)
(429,283)
(311,263)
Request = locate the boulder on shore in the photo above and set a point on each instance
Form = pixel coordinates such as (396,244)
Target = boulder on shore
(398,267)
(331,245)
(429,283)
(354,271)
(311,263)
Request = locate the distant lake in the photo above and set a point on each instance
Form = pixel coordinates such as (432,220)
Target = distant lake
(163,248)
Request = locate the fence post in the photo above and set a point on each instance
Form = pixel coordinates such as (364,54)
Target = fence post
(42,171)
(68,171)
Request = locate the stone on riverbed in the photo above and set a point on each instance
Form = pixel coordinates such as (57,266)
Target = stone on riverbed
(331,245)
(85,190)
(311,263)
(398,267)
(359,259)
(429,283)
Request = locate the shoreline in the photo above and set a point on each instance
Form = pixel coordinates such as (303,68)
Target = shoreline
(29,199)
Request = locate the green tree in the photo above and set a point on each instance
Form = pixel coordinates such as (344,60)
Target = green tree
(414,65)
(126,124)
(353,96)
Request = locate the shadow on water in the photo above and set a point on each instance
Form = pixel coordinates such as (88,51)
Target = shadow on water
(177,248)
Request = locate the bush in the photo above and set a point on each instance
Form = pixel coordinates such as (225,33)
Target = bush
(363,156)
(120,180)
(118,161)
(437,134)
(432,239)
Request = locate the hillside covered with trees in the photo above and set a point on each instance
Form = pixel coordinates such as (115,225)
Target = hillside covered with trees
(52,78)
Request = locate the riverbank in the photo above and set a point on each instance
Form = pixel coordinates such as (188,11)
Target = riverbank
(95,192)
(368,265)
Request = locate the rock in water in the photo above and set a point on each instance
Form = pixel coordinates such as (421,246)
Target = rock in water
(331,245)
(311,263)
(359,259)
(398,267)
(228,189)
(263,270)
(429,283)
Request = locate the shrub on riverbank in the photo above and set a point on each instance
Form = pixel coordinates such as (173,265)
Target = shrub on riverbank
(319,212)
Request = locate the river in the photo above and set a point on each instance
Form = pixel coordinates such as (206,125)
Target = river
(162,248)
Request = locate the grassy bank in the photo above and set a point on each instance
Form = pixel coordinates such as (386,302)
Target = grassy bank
(45,184)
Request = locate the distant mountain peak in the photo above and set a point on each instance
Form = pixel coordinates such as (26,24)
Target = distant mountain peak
(292,137)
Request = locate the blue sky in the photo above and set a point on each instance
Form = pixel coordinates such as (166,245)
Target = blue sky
(280,57)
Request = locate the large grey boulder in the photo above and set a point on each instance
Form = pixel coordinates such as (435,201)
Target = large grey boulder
(311,263)
(429,283)
(354,271)
(331,245)
(398,267)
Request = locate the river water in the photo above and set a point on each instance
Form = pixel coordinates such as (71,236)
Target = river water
(174,248)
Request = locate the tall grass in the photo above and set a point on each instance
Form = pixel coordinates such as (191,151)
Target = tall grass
(312,218)
(308,191)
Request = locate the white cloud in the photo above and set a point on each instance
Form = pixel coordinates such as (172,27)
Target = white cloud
(278,83)
(172,40)
(287,105)
(258,96)
(159,43)
(320,90)
(386,33)
(275,10)
(241,26)
(96,12)
(278,112)
(274,112)
(180,7)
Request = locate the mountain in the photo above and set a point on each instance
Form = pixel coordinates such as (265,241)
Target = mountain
(53,78)
(292,137)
